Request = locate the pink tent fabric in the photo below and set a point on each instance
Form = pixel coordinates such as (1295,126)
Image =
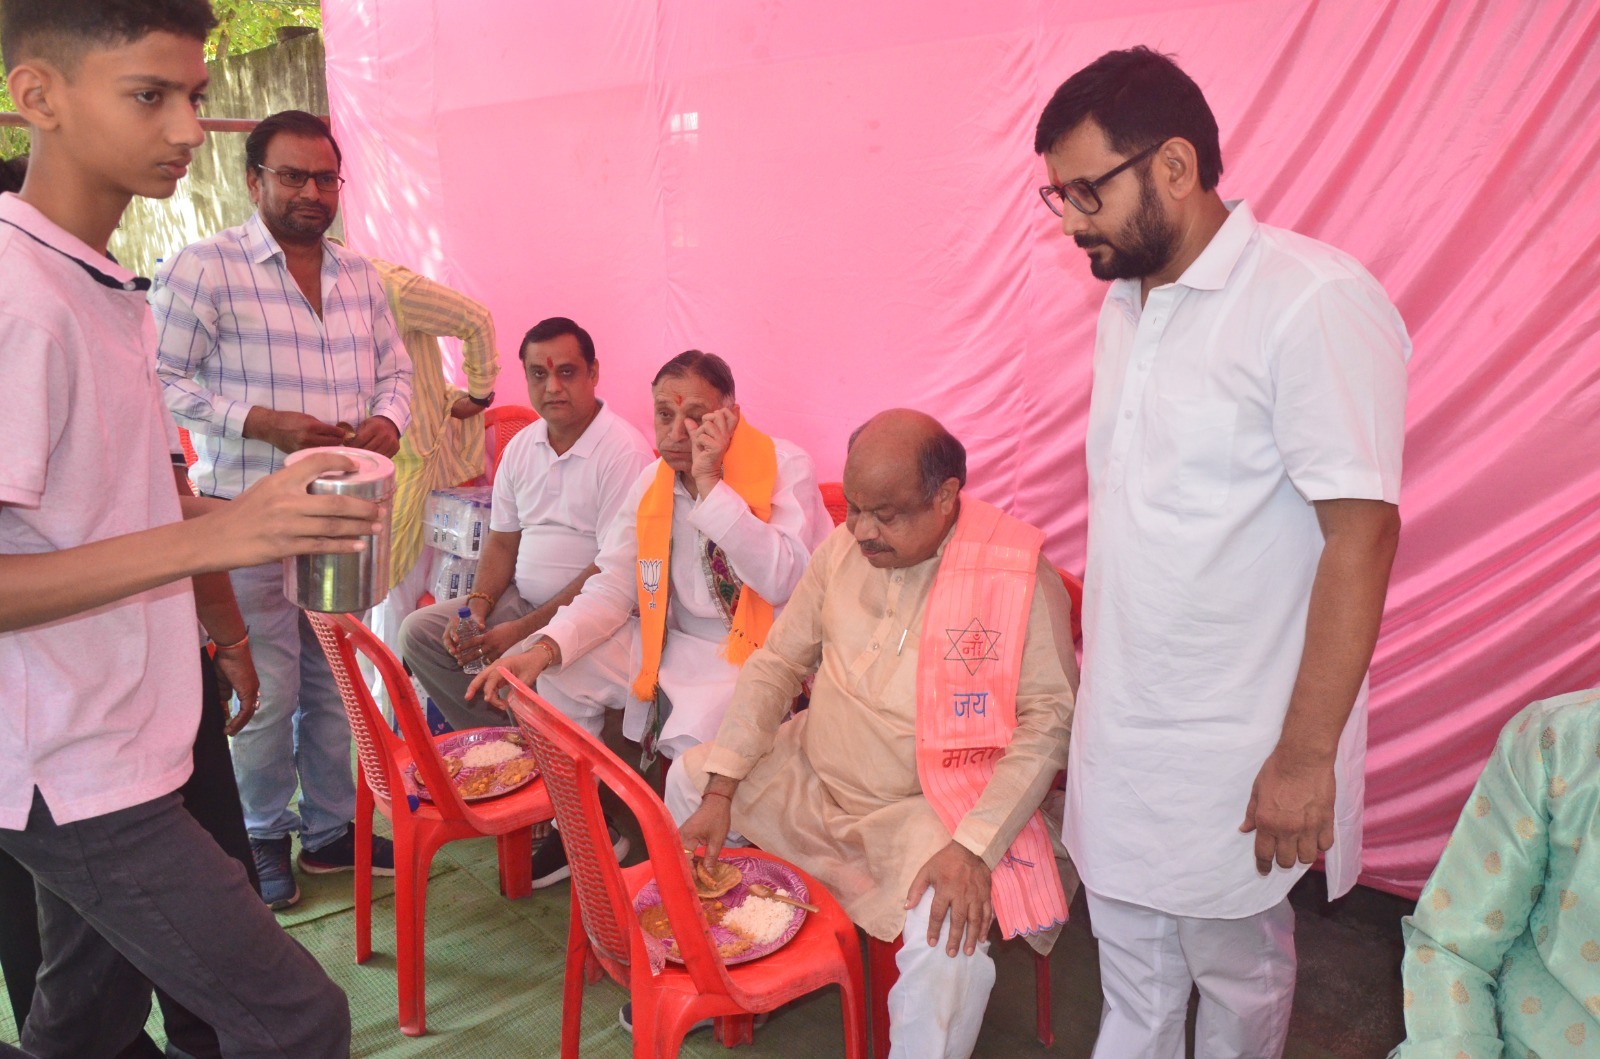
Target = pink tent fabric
(839,198)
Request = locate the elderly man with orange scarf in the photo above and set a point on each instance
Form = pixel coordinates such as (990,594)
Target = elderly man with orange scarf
(707,548)
(940,641)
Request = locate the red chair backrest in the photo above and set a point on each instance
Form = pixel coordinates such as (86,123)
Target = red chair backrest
(1075,590)
(377,746)
(833,499)
(500,424)
(573,764)
(187,443)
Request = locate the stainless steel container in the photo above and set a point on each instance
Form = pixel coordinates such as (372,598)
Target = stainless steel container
(353,581)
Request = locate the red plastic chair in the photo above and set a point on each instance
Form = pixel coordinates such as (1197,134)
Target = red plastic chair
(420,828)
(833,500)
(605,934)
(500,425)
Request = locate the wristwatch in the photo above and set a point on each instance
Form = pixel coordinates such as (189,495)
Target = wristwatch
(482,402)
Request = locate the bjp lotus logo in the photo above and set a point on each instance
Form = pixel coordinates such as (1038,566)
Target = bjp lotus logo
(650,578)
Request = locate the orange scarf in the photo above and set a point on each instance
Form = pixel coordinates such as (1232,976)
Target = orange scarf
(968,669)
(750,468)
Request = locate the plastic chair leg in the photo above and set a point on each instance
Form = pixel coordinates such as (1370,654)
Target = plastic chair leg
(516,863)
(734,1030)
(410,921)
(579,957)
(852,993)
(647,1028)
(882,973)
(1041,1000)
(363,882)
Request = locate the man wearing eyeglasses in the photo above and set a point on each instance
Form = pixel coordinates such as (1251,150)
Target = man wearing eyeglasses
(1243,449)
(273,339)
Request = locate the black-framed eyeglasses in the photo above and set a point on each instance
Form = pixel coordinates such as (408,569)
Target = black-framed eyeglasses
(296,178)
(1084,195)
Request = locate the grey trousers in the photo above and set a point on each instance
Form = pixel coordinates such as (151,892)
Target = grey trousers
(92,1002)
(422,637)
(158,888)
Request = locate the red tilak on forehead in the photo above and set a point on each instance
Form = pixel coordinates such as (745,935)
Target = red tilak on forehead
(677,399)
(550,362)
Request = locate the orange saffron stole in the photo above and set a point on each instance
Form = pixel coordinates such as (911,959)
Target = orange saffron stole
(750,468)
(969,666)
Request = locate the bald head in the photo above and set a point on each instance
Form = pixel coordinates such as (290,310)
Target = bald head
(902,481)
(891,438)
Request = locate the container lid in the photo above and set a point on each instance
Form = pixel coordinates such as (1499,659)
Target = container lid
(372,478)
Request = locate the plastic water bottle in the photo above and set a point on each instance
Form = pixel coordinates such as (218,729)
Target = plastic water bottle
(469,628)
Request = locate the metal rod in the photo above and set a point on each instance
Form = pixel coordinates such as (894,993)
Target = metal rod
(208,124)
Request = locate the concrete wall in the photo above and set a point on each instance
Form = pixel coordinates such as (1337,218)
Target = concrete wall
(287,76)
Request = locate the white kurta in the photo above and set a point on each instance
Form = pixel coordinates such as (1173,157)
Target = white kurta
(1269,376)
(768,556)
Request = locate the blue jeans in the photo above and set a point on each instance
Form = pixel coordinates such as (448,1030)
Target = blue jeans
(300,730)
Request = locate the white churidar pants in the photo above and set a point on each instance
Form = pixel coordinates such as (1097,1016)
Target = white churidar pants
(1149,961)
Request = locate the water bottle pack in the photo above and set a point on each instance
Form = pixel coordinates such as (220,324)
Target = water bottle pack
(453,576)
(457,520)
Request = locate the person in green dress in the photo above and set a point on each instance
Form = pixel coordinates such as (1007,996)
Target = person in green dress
(1503,952)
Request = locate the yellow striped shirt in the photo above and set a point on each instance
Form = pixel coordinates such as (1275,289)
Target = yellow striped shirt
(437,451)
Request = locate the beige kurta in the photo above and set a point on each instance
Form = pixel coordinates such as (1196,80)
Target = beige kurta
(835,790)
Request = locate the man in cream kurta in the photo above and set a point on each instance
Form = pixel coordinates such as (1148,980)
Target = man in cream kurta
(836,789)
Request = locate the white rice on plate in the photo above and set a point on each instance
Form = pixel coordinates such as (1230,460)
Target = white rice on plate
(487,755)
(760,919)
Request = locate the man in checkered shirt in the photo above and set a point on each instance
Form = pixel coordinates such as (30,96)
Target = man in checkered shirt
(273,339)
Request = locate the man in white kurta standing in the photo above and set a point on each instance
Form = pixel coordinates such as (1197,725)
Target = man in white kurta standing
(1243,452)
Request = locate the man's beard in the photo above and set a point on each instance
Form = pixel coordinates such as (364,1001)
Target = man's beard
(304,221)
(1143,247)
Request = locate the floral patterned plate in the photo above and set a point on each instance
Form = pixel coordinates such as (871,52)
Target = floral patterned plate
(775,874)
(476,784)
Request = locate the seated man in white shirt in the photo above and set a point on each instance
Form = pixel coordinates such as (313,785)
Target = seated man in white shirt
(561,481)
(710,543)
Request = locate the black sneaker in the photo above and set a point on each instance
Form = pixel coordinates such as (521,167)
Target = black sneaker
(625,1017)
(550,859)
(278,888)
(340,855)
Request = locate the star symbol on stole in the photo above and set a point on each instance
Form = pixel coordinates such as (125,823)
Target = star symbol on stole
(972,646)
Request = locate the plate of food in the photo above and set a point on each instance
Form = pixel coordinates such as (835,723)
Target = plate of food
(743,926)
(483,763)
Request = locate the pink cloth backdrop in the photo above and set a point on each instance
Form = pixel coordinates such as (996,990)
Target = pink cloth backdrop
(839,198)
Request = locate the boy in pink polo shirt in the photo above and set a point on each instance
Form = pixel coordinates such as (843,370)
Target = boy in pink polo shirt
(99,679)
